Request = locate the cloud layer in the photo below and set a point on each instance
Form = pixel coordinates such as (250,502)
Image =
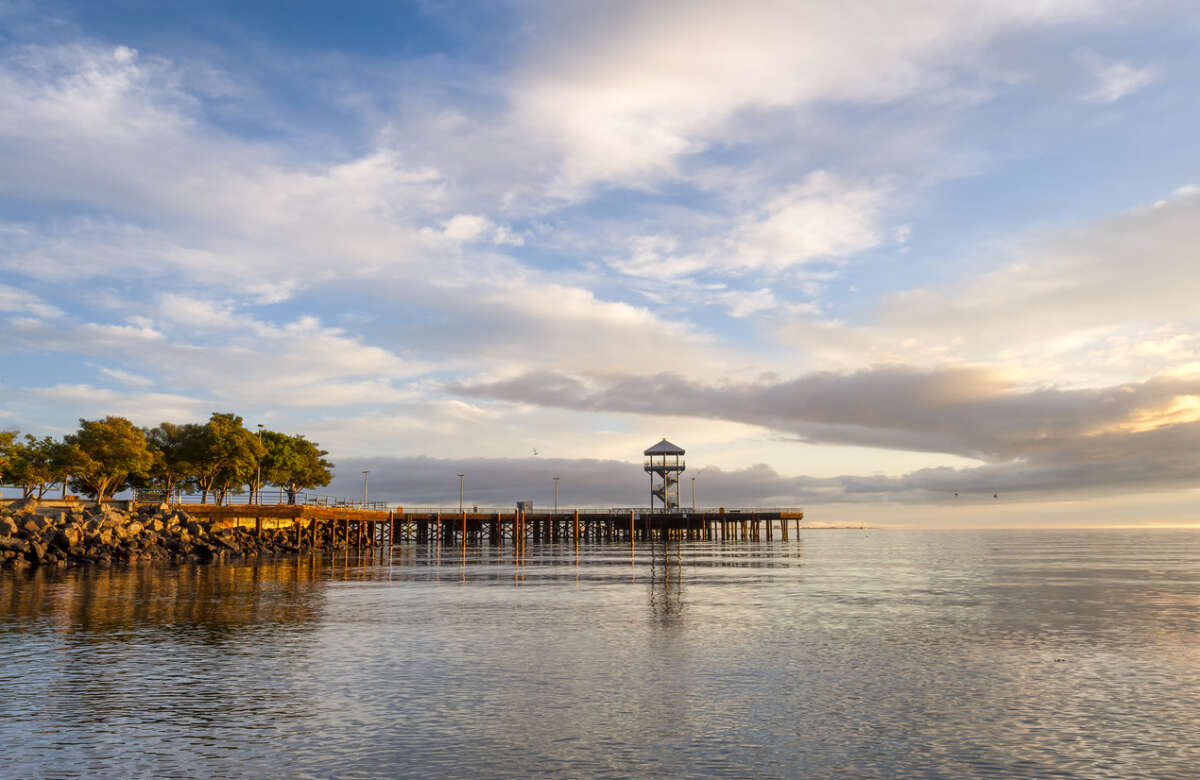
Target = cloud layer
(941,233)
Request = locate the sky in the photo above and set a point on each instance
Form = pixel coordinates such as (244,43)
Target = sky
(926,263)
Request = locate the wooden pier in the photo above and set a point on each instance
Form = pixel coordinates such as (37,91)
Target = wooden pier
(317,525)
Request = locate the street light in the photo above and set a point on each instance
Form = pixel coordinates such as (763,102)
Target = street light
(460,483)
(258,470)
(555,495)
(365,473)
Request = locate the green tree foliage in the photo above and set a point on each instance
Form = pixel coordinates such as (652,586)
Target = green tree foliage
(224,455)
(174,448)
(294,463)
(104,455)
(7,439)
(36,464)
(218,457)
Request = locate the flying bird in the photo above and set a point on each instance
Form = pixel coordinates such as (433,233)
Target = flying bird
(535,450)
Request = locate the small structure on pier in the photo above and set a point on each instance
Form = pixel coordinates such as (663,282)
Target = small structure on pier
(664,461)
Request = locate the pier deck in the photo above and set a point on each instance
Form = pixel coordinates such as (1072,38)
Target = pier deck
(373,527)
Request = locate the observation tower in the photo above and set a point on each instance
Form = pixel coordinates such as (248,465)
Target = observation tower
(665,461)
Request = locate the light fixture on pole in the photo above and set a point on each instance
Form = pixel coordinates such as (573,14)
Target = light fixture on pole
(555,495)
(258,470)
(365,473)
(460,488)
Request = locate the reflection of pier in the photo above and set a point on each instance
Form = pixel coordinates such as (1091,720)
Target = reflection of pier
(362,527)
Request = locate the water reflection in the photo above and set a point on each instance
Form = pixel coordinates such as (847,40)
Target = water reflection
(896,654)
(666,583)
(210,601)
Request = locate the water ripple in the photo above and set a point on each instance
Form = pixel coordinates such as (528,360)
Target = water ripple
(880,654)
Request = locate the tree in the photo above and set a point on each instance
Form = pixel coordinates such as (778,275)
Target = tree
(103,455)
(6,445)
(224,455)
(175,449)
(37,464)
(294,463)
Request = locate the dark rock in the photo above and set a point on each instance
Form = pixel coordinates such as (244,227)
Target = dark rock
(24,505)
(36,552)
(15,544)
(67,538)
(34,524)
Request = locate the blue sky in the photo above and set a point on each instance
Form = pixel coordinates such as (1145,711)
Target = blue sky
(847,256)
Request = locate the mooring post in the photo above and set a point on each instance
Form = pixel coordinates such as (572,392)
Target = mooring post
(577,525)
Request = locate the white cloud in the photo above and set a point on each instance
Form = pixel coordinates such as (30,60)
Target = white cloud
(626,90)
(126,378)
(15,300)
(822,219)
(142,408)
(1115,79)
(1072,307)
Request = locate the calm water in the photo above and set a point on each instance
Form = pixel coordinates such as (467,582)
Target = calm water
(846,653)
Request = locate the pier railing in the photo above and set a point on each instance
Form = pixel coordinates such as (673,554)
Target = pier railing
(265,497)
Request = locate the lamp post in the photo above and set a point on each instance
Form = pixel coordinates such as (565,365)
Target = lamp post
(365,473)
(258,470)
(693,495)
(555,495)
(460,488)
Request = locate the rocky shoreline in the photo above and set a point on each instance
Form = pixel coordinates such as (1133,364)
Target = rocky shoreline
(33,536)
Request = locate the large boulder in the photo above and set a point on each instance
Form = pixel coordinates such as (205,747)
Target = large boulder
(100,538)
(14,544)
(7,526)
(24,505)
(67,538)
(33,525)
(36,552)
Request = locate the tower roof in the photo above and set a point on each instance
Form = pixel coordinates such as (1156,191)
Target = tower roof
(664,447)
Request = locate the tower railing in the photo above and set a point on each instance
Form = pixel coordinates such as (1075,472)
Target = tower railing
(653,464)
